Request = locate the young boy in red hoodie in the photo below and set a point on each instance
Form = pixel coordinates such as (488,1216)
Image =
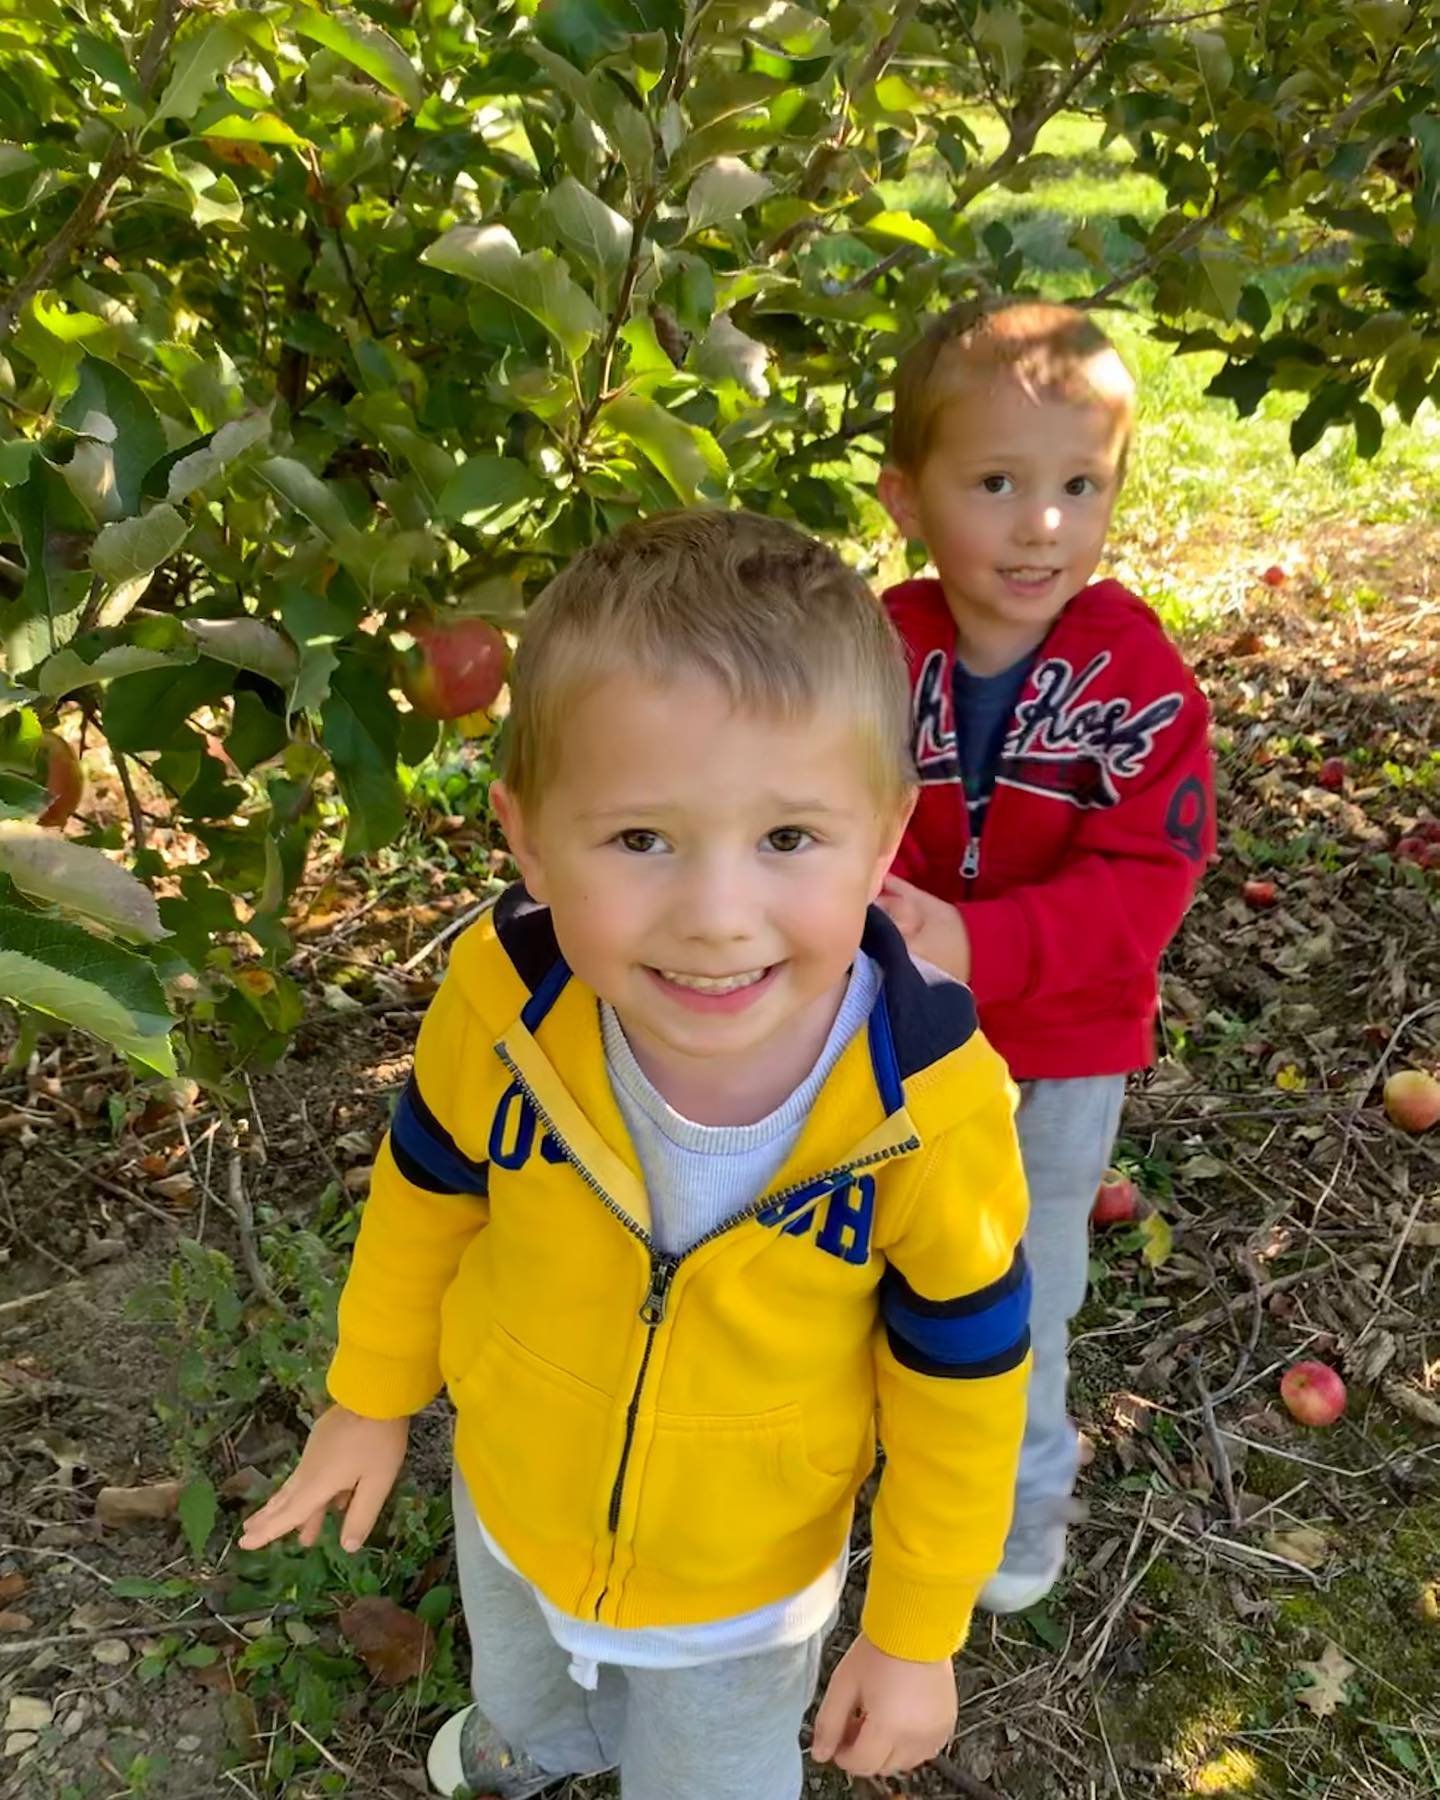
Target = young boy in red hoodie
(1066,804)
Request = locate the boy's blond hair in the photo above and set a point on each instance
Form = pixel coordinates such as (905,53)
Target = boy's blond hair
(765,610)
(1054,352)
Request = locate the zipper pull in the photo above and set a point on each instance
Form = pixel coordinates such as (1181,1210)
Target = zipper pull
(970,866)
(662,1273)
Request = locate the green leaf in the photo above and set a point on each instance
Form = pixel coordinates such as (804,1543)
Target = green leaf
(257,128)
(198,1509)
(69,974)
(21,799)
(538,282)
(198,468)
(490,492)
(1217,66)
(56,871)
(317,623)
(586,31)
(109,406)
(256,734)
(1246,383)
(134,547)
(203,50)
(684,454)
(307,493)
(367,46)
(722,191)
(361,730)
(67,670)
(148,711)
(247,644)
(906,229)
(1327,406)
(595,232)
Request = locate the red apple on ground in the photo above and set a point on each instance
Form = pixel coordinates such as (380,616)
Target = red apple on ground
(1117,1202)
(1332,773)
(1411,849)
(1431,858)
(457,666)
(1412,1100)
(1313,1392)
(1260,893)
(1429,829)
(64,780)
(1274,576)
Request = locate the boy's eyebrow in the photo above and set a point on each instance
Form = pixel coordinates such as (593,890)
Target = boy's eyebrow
(777,803)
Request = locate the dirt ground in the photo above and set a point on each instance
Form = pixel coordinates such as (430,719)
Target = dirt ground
(1251,1608)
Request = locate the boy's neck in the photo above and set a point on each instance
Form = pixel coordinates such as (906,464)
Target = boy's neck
(743,1089)
(990,647)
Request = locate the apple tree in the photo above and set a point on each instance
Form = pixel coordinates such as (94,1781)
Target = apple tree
(325,327)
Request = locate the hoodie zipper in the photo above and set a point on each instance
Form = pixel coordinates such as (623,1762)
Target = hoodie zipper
(664,1268)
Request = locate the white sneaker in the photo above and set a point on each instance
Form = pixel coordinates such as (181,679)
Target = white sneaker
(1034,1557)
(468,1757)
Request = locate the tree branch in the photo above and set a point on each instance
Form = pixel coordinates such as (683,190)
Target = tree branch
(114,166)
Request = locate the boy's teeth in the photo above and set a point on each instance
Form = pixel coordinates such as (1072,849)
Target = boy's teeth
(714,984)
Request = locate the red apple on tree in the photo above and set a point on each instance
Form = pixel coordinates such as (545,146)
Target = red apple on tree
(1331,774)
(64,779)
(457,666)
(1412,1100)
(1117,1201)
(1313,1392)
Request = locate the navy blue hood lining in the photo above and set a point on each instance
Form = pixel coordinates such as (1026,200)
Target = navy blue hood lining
(916,1022)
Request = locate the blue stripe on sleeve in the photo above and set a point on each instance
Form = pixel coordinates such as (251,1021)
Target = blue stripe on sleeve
(983,1333)
(426,1154)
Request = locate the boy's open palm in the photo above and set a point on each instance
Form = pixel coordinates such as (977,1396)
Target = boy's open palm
(347,1459)
(882,1715)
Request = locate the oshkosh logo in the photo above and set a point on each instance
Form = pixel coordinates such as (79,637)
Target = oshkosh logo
(933,734)
(1075,749)
(849,1217)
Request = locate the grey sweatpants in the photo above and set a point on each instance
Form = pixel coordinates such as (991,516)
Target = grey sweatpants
(1067,1132)
(718,1732)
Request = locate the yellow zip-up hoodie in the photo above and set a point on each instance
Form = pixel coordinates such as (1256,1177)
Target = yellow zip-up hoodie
(661,1440)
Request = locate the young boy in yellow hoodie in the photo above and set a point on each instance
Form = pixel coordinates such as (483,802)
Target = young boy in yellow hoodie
(699,1182)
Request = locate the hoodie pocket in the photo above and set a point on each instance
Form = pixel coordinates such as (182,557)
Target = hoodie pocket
(723,1499)
(535,1437)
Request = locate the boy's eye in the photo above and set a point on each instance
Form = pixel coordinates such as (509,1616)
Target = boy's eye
(640,842)
(1080,484)
(787,839)
(996,484)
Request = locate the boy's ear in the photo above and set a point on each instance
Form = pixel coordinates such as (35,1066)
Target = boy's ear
(891,848)
(512,823)
(897,496)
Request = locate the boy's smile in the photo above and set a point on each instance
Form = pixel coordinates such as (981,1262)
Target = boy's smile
(708,871)
(1013,502)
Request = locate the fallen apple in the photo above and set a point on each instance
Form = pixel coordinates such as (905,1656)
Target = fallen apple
(1431,858)
(1411,848)
(64,779)
(1313,1392)
(1331,774)
(1260,894)
(1117,1201)
(457,666)
(1412,1100)
(1429,829)
(1274,576)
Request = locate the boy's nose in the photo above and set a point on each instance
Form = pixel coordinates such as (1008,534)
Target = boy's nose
(716,908)
(1041,525)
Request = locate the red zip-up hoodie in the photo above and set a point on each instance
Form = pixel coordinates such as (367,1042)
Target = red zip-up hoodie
(1096,837)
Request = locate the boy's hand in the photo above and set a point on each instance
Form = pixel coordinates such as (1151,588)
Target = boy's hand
(932,928)
(882,1715)
(346,1458)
